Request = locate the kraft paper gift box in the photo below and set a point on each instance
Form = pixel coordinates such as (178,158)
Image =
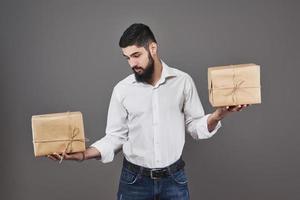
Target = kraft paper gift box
(58,133)
(234,85)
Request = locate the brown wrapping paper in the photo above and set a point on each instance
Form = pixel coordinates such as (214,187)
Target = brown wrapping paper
(234,85)
(58,133)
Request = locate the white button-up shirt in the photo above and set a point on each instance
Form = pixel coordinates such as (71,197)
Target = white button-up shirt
(149,122)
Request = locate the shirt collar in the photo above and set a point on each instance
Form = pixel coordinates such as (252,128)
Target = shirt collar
(166,73)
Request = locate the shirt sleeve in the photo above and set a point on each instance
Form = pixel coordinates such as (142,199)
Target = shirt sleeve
(195,118)
(116,130)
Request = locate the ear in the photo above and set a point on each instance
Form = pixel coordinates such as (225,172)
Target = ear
(153,48)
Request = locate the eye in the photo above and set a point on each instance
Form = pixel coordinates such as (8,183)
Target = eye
(136,56)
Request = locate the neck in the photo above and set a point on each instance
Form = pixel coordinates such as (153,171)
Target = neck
(157,72)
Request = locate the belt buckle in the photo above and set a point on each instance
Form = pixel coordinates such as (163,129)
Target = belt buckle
(151,174)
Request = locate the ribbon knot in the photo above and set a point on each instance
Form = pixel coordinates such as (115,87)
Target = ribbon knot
(74,133)
(236,87)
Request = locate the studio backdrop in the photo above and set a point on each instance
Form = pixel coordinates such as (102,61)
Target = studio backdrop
(59,56)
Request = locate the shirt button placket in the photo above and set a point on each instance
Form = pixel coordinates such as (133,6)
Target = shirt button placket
(155,124)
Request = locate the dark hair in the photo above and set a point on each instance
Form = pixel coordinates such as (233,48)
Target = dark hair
(137,34)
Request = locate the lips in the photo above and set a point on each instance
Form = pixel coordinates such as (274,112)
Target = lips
(138,70)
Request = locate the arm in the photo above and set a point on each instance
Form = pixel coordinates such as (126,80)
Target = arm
(199,125)
(112,142)
(212,121)
(89,153)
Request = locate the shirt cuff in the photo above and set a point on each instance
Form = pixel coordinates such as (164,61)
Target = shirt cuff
(203,129)
(107,154)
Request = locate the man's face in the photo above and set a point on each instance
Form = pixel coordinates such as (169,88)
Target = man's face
(140,61)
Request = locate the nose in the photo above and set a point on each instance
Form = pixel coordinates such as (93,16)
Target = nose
(132,62)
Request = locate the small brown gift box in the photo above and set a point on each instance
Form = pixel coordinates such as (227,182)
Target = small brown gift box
(58,133)
(234,85)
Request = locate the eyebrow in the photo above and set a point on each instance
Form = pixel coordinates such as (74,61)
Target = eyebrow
(137,52)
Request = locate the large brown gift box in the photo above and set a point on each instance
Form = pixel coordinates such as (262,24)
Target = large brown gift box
(234,85)
(58,133)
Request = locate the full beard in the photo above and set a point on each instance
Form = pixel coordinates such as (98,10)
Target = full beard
(147,73)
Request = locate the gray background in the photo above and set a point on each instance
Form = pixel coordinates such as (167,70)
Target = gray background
(64,55)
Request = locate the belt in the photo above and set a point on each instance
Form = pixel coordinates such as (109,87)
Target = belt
(157,172)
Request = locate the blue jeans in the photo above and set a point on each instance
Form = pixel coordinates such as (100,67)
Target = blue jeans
(134,186)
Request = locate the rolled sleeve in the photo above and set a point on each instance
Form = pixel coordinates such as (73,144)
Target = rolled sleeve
(107,154)
(105,147)
(202,129)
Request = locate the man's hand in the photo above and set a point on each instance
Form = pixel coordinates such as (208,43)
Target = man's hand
(220,113)
(89,153)
(79,156)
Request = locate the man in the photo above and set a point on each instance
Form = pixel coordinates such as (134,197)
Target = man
(149,113)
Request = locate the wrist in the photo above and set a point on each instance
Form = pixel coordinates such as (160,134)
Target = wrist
(82,157)
(217,115)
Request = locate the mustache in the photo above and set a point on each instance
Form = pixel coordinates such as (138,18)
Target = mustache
(137,67)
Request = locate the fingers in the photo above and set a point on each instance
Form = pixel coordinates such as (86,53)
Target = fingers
(65,156)
(55,157)
(59,157)
(240,107)
(236,108)
(52,157)
(231,108)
